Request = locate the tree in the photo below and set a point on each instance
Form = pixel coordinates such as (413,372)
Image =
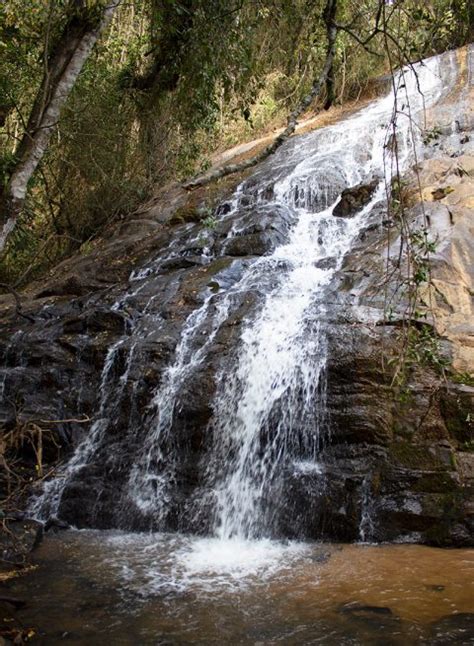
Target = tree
(65,62)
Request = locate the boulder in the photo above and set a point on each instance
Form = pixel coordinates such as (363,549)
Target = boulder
(457,628)
(354,198)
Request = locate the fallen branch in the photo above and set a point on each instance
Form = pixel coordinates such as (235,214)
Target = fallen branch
(18,306)
(84,420)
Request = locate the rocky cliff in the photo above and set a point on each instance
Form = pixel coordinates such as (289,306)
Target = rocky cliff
(102,330)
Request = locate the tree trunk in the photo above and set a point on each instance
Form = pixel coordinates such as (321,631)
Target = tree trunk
(64,66)
(329,16)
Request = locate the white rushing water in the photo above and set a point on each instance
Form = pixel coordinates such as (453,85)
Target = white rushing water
(269,409)
(48,503)
(275,390)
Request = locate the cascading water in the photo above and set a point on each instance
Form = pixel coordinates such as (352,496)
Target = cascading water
(152,476)
(268,412)
(48,504)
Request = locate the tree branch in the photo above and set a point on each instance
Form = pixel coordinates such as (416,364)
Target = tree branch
(329,18)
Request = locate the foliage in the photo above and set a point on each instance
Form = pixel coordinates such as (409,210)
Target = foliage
(462,378)
(431,134)
(210,221)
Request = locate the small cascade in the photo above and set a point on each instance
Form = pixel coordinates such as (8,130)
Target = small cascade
(152,477)
(268,396)
(47,505)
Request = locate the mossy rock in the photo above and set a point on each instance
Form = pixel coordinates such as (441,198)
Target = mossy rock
(437,482)
(457,410)
(413,456)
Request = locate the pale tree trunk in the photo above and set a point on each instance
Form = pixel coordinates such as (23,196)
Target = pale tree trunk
(323,79)
(64,67)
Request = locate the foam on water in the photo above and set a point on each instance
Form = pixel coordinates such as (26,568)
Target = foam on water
(239,558)
(148,564)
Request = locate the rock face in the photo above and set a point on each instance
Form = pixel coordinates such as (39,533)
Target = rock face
(451,225)
(354,198)
(404,464)
(398,462)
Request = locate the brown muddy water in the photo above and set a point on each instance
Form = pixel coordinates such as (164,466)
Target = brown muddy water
(111,588)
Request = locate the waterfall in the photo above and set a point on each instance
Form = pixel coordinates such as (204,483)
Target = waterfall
(268,412)
(269,409)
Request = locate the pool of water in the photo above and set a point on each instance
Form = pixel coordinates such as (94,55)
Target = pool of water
(95,587)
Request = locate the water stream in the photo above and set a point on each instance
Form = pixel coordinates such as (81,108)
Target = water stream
(105,587)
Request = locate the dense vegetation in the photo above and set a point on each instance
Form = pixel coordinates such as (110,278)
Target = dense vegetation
(168,83)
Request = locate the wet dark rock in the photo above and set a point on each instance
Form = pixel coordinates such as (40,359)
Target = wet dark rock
(224,208)
(180,262)
(453,629)
(354,198)
(55,524)
(326,263)
(105,320)
(357,609)
(255,231)
(375,621)
(14,602)
(253,244)
(7,611)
